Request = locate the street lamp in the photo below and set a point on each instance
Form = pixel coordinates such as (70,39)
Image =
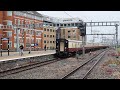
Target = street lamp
(30,44)
(17,38)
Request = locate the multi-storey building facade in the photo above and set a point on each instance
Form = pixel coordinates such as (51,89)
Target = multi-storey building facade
(49,37)
(70,33)
(37,36)
(26,36)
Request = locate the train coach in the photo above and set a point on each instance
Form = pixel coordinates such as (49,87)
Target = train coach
(66,48)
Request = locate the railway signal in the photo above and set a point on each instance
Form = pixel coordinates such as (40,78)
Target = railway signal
(82,28)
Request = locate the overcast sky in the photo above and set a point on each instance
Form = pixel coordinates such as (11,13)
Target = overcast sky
(88,16)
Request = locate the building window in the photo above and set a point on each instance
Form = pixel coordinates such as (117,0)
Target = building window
(18,22)
(44,35)
(9,34)
(15,45)
(15,31)
(50,30)
(15,21)
(10,43)
(14,38)
(44,29)
(53,30)
(53,41)
(47,29)
(9,22)
(51,36)
(73,30)
(68,31)
(47,41)
(22,22)
(47,35)
(50,47)
(9,13)
(44,41)
(68,36)
(74,37)
(50,41)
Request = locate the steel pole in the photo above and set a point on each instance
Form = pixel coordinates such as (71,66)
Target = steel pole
(8,46)
(17,39)
(116,38)
(83,43)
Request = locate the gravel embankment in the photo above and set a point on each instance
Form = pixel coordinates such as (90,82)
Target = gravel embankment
(108,68)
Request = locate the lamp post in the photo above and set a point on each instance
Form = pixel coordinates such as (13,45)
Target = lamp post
(30,44)
(17,38)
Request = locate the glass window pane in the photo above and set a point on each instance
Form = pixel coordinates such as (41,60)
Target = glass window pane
(9,13)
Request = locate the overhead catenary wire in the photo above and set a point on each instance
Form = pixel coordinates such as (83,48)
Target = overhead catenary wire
(68,14)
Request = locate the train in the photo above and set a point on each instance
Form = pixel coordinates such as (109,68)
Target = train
(66,48)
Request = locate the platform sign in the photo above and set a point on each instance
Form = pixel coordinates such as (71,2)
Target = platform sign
(36,44)
(5,39)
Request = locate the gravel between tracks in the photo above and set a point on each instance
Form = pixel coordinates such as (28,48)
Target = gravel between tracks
(52,71)
(108,68)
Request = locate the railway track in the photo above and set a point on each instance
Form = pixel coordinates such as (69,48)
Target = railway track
(94,59)
(27,67)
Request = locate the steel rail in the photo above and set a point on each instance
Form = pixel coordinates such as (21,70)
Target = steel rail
(76,69)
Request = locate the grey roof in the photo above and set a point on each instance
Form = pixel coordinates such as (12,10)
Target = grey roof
(33,13)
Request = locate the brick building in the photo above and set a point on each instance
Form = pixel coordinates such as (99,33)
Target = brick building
(38,36)
(26,36)
(71,33)
(49,37)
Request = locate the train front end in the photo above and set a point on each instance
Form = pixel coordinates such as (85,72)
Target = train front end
(62,48)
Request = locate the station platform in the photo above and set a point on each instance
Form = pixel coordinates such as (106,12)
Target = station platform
(16,55)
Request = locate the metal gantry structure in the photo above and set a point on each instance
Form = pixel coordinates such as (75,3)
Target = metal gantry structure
(106,23)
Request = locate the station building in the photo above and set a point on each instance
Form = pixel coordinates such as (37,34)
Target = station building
(26,37)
